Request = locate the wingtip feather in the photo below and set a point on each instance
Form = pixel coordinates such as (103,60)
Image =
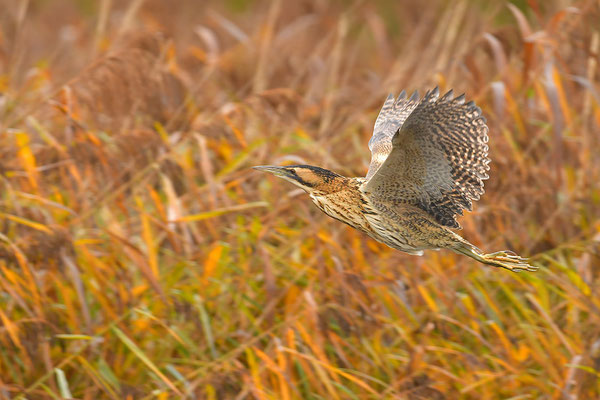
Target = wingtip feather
(448,96)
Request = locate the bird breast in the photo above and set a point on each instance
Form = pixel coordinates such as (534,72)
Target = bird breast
(354,208)
(346,206)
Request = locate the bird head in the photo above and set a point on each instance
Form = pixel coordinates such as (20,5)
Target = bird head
(307,177)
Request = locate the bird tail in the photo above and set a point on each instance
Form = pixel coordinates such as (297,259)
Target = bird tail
(503,259)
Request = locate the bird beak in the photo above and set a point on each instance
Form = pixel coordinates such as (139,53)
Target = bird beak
(277,171)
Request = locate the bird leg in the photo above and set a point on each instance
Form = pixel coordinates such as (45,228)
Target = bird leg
(504,259)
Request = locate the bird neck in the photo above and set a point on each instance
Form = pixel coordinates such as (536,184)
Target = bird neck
(332,185)
(345,203)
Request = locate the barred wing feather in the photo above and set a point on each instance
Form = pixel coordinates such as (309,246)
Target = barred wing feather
(435,158)
(390,119)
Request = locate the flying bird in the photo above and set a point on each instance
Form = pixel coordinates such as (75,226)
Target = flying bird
(429,158)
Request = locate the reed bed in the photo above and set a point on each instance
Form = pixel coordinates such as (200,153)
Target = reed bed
(141,257)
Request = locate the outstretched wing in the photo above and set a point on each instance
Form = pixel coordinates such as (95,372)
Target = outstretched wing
(439,158)
(390,119)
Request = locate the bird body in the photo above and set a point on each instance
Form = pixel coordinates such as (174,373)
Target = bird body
(429,160)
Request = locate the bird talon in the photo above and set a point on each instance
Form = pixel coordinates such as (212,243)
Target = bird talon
(509,260)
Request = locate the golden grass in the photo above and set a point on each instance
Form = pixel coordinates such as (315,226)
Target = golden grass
(140,256)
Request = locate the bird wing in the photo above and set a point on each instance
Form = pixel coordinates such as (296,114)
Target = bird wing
(390,119)
(438,158)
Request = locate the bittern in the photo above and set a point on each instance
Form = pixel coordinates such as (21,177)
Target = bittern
(429,158)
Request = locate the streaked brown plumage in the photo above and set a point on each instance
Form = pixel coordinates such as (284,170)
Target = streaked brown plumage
(429,158)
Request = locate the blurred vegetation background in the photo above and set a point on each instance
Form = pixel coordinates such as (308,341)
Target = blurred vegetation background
(140,257)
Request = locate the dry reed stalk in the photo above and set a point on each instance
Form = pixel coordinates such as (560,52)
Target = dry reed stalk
(128,84)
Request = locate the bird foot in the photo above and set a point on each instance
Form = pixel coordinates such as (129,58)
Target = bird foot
(509,260)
